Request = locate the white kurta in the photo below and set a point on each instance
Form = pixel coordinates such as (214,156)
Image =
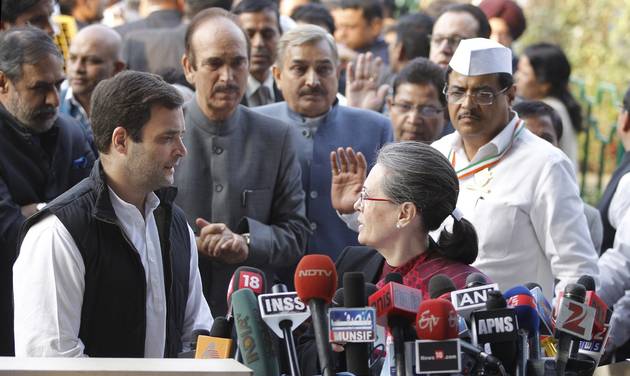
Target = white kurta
(615,264)
(48,279)
(527,212)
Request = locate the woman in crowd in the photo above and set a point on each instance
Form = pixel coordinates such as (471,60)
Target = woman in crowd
(543,74)
(411,191)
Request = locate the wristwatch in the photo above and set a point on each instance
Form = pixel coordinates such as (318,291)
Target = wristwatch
(247,238)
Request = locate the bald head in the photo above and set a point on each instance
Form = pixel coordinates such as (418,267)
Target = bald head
(95,54)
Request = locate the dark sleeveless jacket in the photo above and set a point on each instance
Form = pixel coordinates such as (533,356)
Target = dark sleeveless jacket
(113,317)
(604,203)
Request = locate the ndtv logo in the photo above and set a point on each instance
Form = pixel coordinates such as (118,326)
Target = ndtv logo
(315,273)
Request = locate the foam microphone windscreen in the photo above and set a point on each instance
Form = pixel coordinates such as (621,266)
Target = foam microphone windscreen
(436,320)
(588,282)
(439,285)
(476,279)
(338,299)
(394,277)
(315,278)
(495,300)
(575,292)
(523,302)
(221,327)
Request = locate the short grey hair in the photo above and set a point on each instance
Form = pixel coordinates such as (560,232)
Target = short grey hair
(24,45)
(305,34)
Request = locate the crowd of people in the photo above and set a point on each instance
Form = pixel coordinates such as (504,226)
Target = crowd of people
(182,139)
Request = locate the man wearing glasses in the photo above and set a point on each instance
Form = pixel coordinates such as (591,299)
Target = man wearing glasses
(518,190)
(417,104)
(457,22)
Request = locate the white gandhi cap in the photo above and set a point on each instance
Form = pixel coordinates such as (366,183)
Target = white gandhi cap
(478,56)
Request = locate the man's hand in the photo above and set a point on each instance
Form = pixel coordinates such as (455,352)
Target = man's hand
(348,175)
(28,210)
(362,90)
(218,242)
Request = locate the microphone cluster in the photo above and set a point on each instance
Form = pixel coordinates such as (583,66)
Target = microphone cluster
(476,330)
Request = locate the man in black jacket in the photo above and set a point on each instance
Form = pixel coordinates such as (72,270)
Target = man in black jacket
(42,154)
(109,268)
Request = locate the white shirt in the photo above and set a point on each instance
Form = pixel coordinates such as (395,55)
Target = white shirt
(527,212)
(48,279)
(615,264)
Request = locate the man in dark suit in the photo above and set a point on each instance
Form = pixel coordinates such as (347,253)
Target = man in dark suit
(307,70)
(162,13)
(261,21)
(42,153)
(241,181)
(621,173)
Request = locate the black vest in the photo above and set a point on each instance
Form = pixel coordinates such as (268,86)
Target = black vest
(604,203)
(113,317)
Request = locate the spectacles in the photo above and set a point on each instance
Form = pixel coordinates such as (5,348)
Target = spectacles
(451,41)
(482,97)
(364,197)
(424,110)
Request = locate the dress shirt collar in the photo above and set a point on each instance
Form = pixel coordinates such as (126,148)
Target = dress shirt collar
(218,128)
(126,211)
(253,85)
(74,103)
(495,146)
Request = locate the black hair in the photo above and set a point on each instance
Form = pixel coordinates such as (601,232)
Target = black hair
(551,66)
(372,9)
(126,100)
(420,174)
(421,71)
(528,109)
(192,7)
(413,31)
(24,45)
(626,100)
(66,6)
(255,6)
(484,29)
(316,14)
(12,9)
(203,17)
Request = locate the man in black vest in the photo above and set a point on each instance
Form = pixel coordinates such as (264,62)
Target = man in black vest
(42,153)
(109,268)
(623,170)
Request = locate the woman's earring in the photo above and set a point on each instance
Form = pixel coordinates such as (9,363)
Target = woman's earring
(398,226)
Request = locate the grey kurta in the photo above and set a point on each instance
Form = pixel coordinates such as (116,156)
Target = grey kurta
(243,172)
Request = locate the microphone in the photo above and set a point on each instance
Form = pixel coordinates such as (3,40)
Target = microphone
(283,311)
(543,308)
(218,344)
(357,354)
(522,301)
(472,298)
(475,280)
(437,322)
(315,283)
(574,320)
(594,348)
(396,307)
(497,325)
(440,287)
(338,299)
(245,277)
(254,340)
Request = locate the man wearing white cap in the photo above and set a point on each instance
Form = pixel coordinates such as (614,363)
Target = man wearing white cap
(518,190)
